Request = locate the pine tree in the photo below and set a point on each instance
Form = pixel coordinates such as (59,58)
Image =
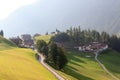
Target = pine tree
(2,33)
(104,37)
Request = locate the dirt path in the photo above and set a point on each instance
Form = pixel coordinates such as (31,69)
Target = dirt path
(41,60)
(106,70)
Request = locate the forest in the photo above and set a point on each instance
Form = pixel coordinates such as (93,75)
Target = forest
(77,36)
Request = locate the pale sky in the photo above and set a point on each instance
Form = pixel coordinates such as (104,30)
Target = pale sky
(9,6)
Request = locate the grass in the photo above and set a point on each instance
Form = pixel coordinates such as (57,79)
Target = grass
(20,64)
(82,67)
(111,60)
(44,37)
(6,44)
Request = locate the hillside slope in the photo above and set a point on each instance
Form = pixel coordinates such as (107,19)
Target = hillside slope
(6,44)
(111,60)
(82,66)
(20,64)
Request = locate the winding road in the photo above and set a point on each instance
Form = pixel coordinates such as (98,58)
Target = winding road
(41,60)
(105,69)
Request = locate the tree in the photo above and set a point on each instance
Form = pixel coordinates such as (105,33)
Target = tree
(52,53)
(46,33)
(56,57)
(61,58)
(95,35)
(2,33)
(71,32)
(104,37)
(40,44)
(79,34)
(62,37)
(114,43)
(44,51)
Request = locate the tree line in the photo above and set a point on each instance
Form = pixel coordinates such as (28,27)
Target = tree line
(80,37)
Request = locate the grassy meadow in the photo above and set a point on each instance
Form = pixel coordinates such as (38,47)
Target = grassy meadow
(111,60)
(20,64)
(44,37)
(6,44)
(82,66)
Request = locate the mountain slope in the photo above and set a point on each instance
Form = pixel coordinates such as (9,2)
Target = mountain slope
(20,64)
(48,15)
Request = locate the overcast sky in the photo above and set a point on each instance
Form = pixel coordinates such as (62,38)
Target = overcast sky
(9,6)
(39,16)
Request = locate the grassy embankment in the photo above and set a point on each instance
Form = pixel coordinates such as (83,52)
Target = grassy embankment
(20,64)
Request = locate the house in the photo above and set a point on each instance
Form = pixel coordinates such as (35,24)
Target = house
(27,40)
(16,40)
(93,47)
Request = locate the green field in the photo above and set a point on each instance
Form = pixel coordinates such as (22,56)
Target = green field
(20,64)
(44,37)
(6,44)
(111,60)
(82,66)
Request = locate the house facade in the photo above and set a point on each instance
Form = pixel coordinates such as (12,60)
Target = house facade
(27,40)
(93,47)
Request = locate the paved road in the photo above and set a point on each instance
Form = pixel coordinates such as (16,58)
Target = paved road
(41,60)
(96,58)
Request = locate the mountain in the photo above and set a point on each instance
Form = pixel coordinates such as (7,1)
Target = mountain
(47,15)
